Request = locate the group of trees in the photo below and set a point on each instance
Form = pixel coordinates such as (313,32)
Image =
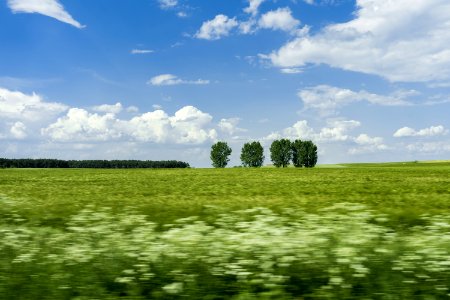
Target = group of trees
(282,152)
(94,164)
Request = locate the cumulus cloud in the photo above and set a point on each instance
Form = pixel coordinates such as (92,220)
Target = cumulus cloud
(426,132)
(398,40)
(280,19)
(188,125)
(253,7)
(230,126)
(18,131)
(216,28)
(328,99)
(367,144)
(169,79)
(50,8)
(80,125)
(335,131)
(27,107)
(108,108)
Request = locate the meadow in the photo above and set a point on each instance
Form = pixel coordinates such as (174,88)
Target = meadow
(356,231)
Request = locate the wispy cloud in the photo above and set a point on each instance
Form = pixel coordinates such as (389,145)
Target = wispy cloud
(166,4)
(169,79)
(50,8)
(327,100)
(141,51)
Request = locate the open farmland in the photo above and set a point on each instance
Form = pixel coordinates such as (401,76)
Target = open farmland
(375,230)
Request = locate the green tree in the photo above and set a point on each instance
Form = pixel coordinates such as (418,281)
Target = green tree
(252,155)
(220,152)
(304,154)
(298,153)
(281,153)
(310,158)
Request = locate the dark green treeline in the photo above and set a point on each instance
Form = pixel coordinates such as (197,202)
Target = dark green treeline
(93,164)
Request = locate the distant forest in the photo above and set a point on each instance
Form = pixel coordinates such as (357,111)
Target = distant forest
(94,164)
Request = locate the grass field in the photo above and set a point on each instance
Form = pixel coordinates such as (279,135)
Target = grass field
(350,231)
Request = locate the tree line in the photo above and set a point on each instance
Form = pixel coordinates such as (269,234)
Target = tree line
(282,152)
(94,164)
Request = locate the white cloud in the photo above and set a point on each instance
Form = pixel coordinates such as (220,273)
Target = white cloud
(141,51)
(248,27)
(230,126)
(426,132)
(336,131)
(80,125)
(429,148)
(50,8)
(328,99)
(291,70)
(169,79)
(18,130)
(280,19)
(182,14)
(132,109)
(188,125)
(166,4)
(216,28)
(107,108)
(367,144)
(19,106)
(253,6)
(398,40)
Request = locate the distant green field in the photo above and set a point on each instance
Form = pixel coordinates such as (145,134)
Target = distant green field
(50,196)
(348,231)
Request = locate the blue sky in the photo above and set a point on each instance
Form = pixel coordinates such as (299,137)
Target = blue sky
(366,80)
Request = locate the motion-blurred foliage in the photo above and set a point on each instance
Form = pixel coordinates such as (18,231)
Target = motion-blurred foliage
(343,252)
(226,234)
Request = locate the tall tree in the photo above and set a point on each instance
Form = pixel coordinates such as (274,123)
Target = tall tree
(310,158)
(281,153)
(298,153)
(252,155)
(220,152)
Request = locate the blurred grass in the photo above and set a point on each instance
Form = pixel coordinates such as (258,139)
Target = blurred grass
(118,234)
(404,191)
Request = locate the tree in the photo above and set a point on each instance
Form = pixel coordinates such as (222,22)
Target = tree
(219,154)
(281,153)
(310,158)
(298,153)
(304,154)
(252,155)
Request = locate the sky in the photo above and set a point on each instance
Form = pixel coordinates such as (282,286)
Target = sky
(366,80)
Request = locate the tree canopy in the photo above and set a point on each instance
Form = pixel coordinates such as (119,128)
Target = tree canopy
(281,153)
(252,155)
(304,154)
(220,152)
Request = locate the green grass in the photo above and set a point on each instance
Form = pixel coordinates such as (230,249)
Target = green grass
(349,231)
(50,196)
